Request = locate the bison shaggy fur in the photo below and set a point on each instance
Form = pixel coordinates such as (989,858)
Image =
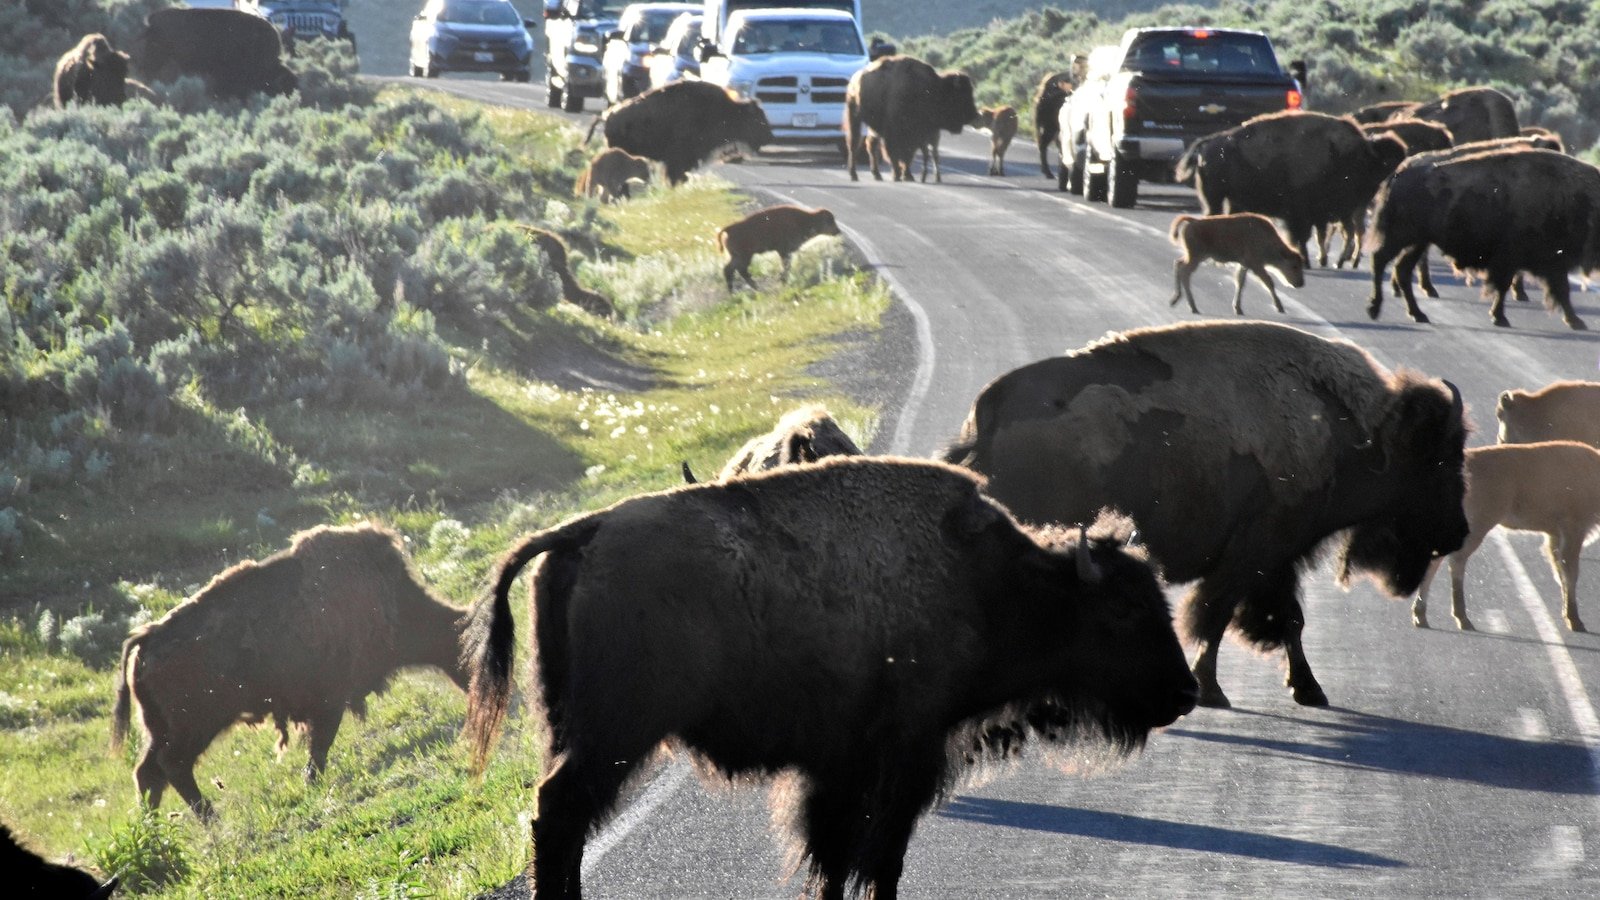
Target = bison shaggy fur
(865,625)
(607,175)
(684,124)
(235,52)
(27,874)
(298,637)
(92,72)
(802,435)
(1562,411)
(1471,114)
(906,103)
(1048,98)
(1239,449)
(776,229)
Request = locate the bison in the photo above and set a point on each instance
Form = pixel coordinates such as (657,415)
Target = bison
(235,52)
(776,229)
(864,623)
(1471,114)
(1552,487)
(1564,410)
(1384,111)
(1048,98)
(906,102)
(1238,449)
(571,291)
(92,72)
(608,173)
(1248,239)
(1001,123)
(682,125)
(1499,212)
(27,874)
(297,637)
(1419,137)
(802,435)
(1304,168)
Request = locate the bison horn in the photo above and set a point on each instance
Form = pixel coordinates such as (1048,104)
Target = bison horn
(1088,572)
(1455,399)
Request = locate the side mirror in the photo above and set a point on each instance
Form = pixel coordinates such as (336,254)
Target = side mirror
(529,23)
(613,36)
(1297,71)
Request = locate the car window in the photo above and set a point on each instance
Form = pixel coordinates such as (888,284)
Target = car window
(792,36)
(1205,52)
(480,12)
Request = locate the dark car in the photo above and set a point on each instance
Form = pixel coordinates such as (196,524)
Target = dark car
(471,36)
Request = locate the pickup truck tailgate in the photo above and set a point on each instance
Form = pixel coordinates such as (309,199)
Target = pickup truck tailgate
(1191,110)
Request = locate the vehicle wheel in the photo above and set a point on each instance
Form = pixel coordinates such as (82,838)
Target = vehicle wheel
(1094,185)
(552,94)
(430,69)
(416,71)
(524,76)
(1124,185)
(572,102)
(1074,173)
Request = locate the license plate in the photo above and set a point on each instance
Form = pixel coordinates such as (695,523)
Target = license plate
(483,57)
(804,120)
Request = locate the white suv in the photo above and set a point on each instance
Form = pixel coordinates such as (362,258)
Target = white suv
(796,63)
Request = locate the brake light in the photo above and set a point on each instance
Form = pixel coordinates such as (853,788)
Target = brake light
(1293,99)
(1130,110)
(1201,33)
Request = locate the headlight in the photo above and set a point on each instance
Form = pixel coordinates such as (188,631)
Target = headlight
(742,88)
(588,48)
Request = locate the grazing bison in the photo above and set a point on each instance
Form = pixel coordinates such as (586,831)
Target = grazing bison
(1498,212)
(1238,449)
(776,229)
(684,124)
(1001,123)
(92,72)
(1048,98)
(864,623)
(27,874)
(906,103)
(608,173)
(571,291)
(297,637)
(1248,239)
(235,52)
(1304,168)
(1471,114)
(1552,487)
(802,435)
(1564,410)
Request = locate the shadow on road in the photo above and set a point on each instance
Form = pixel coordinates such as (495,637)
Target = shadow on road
(1159,833)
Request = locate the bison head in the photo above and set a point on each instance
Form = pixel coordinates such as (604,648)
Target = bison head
(1388,151)
(1421,448)
(957,109)
(746,125)
(108,74)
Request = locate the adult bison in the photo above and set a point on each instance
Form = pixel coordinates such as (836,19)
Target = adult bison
(1239,449)
(1048,98)
(92,72)
(1500,213)
(1471,114)
(905,102)
(298,637)
(1303,168)
(1419,137)
(683,124)
(864,623)
(236,53)
(27,874)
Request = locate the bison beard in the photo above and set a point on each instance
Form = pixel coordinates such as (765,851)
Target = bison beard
(863,624)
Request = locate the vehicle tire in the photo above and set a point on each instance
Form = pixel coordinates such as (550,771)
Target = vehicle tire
(1124,185)
(416,71)
(572,102)
(1094,186)
(430,69)
(552,94)
(524,76)
(1074,173)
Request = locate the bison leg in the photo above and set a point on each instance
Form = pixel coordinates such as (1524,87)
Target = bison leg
(320,732)
(785,258)
(1182,272)
(1208,611)
(1266,279)
(938,173)
(1419,606)
(177,762)
(1403,272)
(1380,263)
(1458,576)
(1324,235)
(1564,551)
(1518,289)
(572,798)
(1270,615)
(149,778)
(1558,295)
(1045,140)
(1351,252)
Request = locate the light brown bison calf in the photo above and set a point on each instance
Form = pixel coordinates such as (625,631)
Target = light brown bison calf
(1247,239)
(298,637)
(608,173)
(1551,487)
(1563,411)
(776,229)
(1001,123)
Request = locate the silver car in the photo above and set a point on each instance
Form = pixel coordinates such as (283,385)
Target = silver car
(639,32)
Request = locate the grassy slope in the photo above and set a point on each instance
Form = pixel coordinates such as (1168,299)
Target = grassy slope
(397,810)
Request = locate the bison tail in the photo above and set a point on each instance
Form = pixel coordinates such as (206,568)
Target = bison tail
(1178,224)
(589,135)
(122,711)
(1184,172)
(489,638)
(963,451)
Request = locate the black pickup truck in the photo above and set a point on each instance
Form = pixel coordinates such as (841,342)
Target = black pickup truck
(1144,101)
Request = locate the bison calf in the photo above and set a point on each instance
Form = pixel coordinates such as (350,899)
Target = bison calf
(1551,487)
(298,637)
(608,173)
(92,72)
(1565,410)
(1001,123)
(1246,239)
(861,623)
(776,229)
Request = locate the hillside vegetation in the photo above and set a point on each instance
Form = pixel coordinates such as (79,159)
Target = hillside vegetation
(1539,52)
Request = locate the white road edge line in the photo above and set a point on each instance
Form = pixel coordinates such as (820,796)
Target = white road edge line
(656,794)
(1578,703)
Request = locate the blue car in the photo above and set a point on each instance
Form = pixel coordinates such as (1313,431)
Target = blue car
(471,36)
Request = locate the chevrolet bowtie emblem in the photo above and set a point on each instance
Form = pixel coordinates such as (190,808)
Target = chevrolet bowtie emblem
(1212,109)
(805,89)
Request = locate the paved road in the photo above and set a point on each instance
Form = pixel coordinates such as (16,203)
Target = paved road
(1449,765)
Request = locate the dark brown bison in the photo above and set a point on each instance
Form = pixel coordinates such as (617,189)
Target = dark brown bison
(27,874)
(237,53)
(863,623)
(906,103)
(1499,213)
(1303,168)
(776,229)
(1238,449)
(1384,111)
(1048,98)
(1471,114)
(684,124)
(802,435)
(555,249)
(1563,410)
(1419,137)
(298,637)
(92,72)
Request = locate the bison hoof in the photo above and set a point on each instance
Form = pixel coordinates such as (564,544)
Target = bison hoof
(1419,317)
(1502,322)
(1576,324)
(1575,624)
(1465,624)
(1310,695)
(1374,308)
(1213,697)
(1429,291)
(1419,619)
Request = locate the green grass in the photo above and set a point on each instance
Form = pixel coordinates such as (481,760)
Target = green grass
(397,813)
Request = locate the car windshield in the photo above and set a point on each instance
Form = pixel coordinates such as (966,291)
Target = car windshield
(689,41)
(480,12)
(1204,52)
(797,35)
(652,26)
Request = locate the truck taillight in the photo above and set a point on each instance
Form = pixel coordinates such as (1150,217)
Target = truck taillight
(1293,100)
(1130,108)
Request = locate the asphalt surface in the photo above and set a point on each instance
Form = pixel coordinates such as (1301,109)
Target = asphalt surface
(1450,764)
